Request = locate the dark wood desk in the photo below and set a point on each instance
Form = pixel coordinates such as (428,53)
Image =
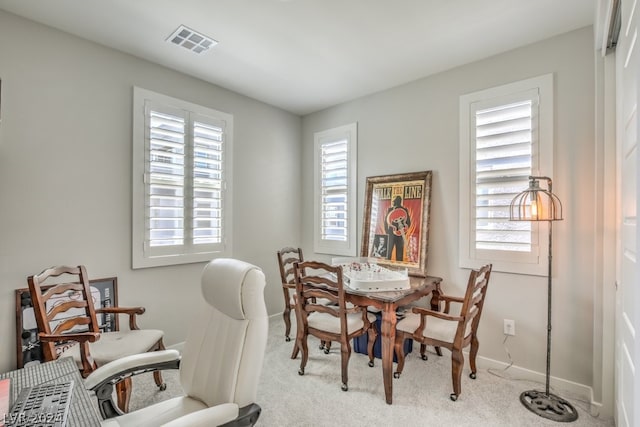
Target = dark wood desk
(388,303)
(82,411)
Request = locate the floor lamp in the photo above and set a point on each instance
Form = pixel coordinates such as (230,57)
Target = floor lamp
(537,204)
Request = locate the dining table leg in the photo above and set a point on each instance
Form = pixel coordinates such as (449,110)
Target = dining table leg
(389,321)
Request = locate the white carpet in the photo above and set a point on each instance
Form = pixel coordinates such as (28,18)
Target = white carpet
(420,396)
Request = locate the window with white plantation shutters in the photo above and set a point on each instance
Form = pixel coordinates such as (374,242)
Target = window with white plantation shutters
(181,212)
(207,183)
(333,186)
(504,146)
(506,135)
(165,180)
(335,182)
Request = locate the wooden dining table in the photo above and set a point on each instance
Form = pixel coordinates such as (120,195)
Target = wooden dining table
(388,302)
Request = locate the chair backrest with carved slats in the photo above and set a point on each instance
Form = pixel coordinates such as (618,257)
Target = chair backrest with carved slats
(473,301)
(62,303)
(286,258)
(316,281)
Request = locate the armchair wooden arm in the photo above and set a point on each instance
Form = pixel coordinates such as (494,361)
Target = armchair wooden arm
(130,311)
(79,337)
(83,339)
(448,299)
(424,312)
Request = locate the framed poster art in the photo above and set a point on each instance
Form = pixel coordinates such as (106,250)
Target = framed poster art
(104,293)
(396,220)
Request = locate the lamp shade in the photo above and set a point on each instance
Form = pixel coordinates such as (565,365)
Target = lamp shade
(535,203)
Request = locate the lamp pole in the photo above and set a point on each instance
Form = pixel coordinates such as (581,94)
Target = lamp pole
(543,207)
(549,287)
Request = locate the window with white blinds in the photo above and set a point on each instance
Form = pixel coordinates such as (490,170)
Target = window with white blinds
(335,190)
(181,181)
(504,146)
(506,135)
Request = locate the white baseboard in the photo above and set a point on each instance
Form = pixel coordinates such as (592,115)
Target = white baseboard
(566,389)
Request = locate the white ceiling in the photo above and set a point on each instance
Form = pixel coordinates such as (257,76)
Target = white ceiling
(306,55)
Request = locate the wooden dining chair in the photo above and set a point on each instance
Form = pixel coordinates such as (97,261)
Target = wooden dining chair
(286,258)
(451,331)
(68,326)
(338,322)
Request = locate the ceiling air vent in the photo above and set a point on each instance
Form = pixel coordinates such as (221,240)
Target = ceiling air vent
(192,40)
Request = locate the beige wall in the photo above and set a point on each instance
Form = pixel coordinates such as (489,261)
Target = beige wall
(415,127)
(65,173)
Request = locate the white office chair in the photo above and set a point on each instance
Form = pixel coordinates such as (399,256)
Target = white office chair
(221,361)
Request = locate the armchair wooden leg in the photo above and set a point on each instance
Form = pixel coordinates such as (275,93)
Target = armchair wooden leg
(457,362)
(372,333)
(302,345)
(286,315)
(399,349)
(473,352)
(423,351)
(123,394)
(345,354)
(157,375)
(296,350)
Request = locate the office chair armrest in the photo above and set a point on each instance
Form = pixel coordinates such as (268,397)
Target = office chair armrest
(220,415)
(214,416)
(102,380)
(130,311)
(247,416)
(79,337)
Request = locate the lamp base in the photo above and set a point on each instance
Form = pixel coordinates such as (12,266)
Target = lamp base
(549,406)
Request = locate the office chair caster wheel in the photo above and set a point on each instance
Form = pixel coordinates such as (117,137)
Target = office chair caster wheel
(162,386)
(287,339)
(424,357)
(345,387)
(301,371)
(396,375)
(371,363)
(472,375)
(326,350)
(453,396)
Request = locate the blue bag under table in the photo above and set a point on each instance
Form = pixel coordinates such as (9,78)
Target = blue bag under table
(360,343)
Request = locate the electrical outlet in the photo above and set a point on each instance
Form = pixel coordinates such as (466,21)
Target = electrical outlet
(509,327)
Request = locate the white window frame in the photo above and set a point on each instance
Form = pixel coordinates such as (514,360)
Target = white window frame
(350,134)
(142,255)
(534,262)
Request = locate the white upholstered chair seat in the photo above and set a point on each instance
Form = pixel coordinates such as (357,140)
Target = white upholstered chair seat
(329,323)
(438,329)
(117,344)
